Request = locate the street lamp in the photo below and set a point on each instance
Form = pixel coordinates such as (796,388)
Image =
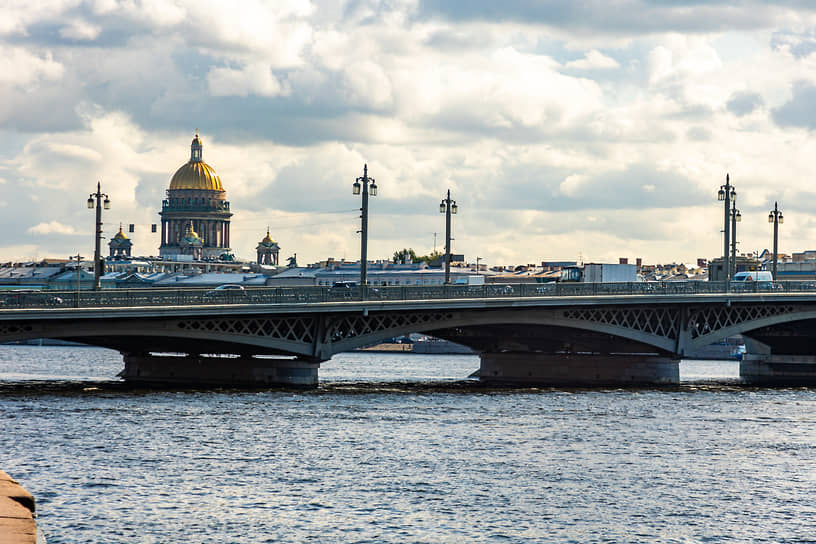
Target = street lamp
(736,217)
(95,199)
(448,207)
(366,190)
(776,218)
(726,194)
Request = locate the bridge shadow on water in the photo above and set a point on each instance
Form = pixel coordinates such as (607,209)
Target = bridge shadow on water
(460,387)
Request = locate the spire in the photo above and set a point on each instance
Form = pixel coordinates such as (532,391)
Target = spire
(196,149)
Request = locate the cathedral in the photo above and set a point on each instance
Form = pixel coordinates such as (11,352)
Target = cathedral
(195,219)
(195,216)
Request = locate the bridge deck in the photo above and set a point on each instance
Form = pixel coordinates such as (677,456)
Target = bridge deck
(152,302)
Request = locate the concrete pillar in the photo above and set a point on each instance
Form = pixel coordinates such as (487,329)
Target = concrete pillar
(199,370)
(777,369)
(529,368)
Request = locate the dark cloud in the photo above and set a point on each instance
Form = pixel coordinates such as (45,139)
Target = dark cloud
(800,110)
(628,16)
(743,103)
(640,186)
(800,45)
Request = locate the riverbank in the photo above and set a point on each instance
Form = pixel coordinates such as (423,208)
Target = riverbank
(435,347)
(17,507)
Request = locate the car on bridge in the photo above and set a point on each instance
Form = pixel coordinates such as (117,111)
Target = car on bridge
(757,280)
(227,291)
(29,297)
(351,289)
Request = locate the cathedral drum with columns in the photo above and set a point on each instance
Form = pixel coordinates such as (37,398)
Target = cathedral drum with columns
(196,205)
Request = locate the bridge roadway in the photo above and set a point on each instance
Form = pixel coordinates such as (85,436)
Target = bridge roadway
(553,334)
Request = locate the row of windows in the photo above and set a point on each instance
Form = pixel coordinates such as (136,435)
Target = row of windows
(196,201)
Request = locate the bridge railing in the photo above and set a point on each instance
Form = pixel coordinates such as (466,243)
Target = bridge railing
(32,298)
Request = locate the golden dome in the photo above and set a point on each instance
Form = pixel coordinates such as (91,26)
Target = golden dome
(268,239)
(190,235)
(120,235)
(196,174)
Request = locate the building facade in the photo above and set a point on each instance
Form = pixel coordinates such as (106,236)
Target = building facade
(196,201)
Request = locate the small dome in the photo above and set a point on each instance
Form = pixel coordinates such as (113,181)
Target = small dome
(120,235)
(191,237)
(268,239)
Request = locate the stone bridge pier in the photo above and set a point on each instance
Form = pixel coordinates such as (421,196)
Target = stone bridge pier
(237,371)
(782,354)
(538,354)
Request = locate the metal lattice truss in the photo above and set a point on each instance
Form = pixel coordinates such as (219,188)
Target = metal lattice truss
(711,319)
(318,335)
(292,329)
(663,322)
(680,327)
(351,327)
(12,329)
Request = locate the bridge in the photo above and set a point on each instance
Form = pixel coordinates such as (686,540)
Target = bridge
(554,334)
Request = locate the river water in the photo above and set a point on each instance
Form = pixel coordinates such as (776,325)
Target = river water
(404,448)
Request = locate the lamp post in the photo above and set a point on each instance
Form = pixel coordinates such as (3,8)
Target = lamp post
(78,258)
(736,217)
(776,218)
(448,207)
(362,184)
(726,194)
(96,199)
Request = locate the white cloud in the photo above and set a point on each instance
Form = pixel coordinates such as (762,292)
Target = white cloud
(594,60)
(73,151)
(80,30)
(23,68)
(572,185)
(537,158)
(52,227)
(255,79)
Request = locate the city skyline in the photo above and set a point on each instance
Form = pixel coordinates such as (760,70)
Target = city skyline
(563,132)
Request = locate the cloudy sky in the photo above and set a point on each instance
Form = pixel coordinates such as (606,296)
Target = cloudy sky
(565,130)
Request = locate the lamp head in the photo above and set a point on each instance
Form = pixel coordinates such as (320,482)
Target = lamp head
(355,189)
(90,203)
(373,189)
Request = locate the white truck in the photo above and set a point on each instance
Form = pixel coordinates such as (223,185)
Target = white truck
(599,273)
(470,280)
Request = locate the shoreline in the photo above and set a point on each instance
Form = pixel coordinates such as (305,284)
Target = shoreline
(17,511)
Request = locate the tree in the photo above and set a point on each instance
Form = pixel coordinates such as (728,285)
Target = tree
(399,256)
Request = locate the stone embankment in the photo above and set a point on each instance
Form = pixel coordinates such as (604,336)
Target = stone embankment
(17,524)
